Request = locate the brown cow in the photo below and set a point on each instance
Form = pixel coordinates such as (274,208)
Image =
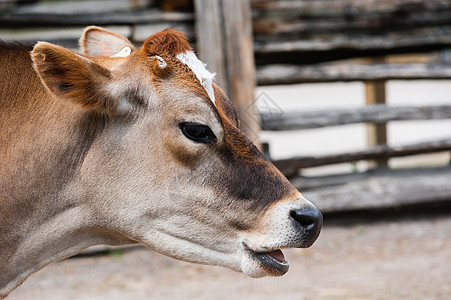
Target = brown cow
(119,145)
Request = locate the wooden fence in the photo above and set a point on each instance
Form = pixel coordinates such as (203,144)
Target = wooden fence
(266,42)
(291,35)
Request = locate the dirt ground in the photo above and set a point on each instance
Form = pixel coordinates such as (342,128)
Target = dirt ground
(397,258)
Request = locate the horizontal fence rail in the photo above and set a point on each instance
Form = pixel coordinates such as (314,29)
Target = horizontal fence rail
(378,189)
(333,46)
(295,26)
(438,37)
(347,7)
(300,17)
(290,166)
(151,16)
(282,74)
(378,114)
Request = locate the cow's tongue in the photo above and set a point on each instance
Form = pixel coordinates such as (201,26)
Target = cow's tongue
(277,255)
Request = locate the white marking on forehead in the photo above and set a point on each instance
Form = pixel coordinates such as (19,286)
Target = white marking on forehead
(126,51)
(199,69)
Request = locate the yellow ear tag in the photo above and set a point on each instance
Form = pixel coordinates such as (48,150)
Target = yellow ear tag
(126,51)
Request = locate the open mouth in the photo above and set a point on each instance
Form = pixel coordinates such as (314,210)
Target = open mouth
(272,261)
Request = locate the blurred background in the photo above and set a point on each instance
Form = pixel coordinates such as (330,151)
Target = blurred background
(351,100)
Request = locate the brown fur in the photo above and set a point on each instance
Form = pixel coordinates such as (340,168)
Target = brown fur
(71,76)
(36,162)
(225,106)
(168,42)
(251,175)
(161,72)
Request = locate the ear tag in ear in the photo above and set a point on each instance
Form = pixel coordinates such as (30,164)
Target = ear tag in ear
(161,62)
(126,51)
(160,67)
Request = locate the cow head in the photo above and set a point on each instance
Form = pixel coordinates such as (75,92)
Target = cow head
(170,168)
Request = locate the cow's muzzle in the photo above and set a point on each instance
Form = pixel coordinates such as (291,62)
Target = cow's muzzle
(288,224)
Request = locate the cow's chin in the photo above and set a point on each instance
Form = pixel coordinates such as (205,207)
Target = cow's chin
(241,256)
(260,264)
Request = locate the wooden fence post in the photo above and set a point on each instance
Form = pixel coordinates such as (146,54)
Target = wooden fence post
(376,133)
(224,37)
(210,39)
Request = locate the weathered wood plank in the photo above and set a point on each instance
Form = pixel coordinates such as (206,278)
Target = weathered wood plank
(321,47)
(210,39)
(292,74)
(379,114)
(7,5)
(290,166)
(68,7)
(357,42)
(292,25)
(150,16)
(380,189)
(376,133)
(347,7)
(240,63)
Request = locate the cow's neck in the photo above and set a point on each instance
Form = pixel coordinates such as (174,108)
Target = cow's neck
(49,240)
(50,233)
(52,221)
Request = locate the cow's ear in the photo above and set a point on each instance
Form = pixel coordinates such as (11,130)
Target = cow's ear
(97,41)
(72,77)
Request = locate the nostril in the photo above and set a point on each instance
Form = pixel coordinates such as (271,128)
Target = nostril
(307,218)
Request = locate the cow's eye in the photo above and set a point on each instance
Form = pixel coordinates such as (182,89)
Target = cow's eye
(198,132)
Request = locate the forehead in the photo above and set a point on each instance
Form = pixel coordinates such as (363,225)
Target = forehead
(182,101)
(199,69)
(172,45)
(185,98)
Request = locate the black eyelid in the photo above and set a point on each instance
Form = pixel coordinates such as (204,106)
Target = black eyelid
(197,132)
(193,124)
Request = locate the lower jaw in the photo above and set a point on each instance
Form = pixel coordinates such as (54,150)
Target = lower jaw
(273,267)
(265,265)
